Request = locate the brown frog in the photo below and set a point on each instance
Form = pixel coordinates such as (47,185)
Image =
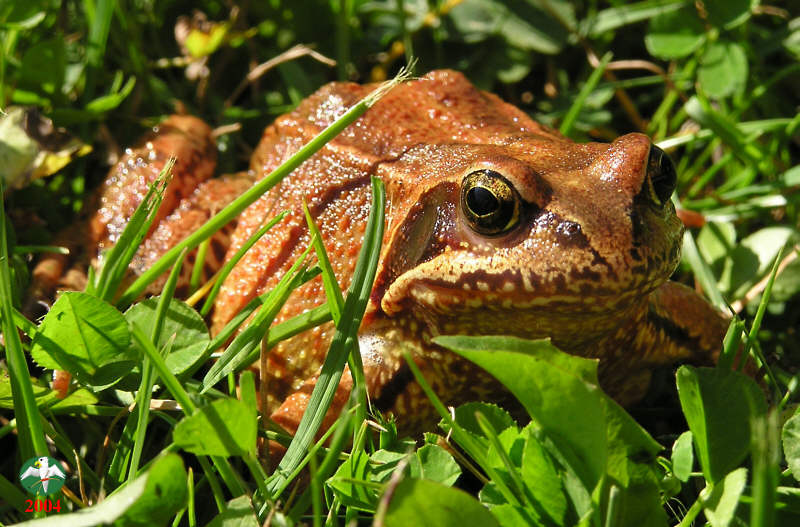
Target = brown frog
(494,225)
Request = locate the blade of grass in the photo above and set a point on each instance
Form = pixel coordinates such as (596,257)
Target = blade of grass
(516,478)
(612,18)
(756,326)
(11,495)
(591,83)
(32,249)
(724,128)
(461,436)
(247,391)
(766,471)
(145,391)
(353,311)
(248,340)
(702,272)
(116,260)
(174,387)
(250,196)
(284,330)
(99,22)
(731,344)
(190,513)
(29,422)
(228,267)
(749,127)
(342,424)
(329,463)
(336,300)
(197,268)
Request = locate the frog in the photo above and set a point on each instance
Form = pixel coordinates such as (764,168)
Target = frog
(494,225)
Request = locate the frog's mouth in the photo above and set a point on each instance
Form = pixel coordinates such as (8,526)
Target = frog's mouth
(435,290)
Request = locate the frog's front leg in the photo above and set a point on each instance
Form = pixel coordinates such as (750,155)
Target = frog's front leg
(676,326)
(387,376)
(392,387)
(686,326)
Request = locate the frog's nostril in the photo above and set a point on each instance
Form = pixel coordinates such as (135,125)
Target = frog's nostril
(661,174)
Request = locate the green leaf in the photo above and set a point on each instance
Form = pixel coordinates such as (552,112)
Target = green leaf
(750,260)
(434,463)
(203,43)
(423,502)
(790,437)
(557,390)
(792,40)
(630,447)
(238,513)
(110,101)
(512,64)
(350,483)
(727,14)
(513,516)
(43,66)
(674,34)
(723,69)
(22,15)
(85,336)
(183,328)
(475,20)
(716,240)
(44,395)
(632,465)
(712,399)
(498,418)
(683,456)
(226,427)
(721,503)
(532,26)
(543,480)
(150,500)
(163,496)
(527,25)
(614,17)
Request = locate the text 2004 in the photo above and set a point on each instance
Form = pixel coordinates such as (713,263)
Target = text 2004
(43,505)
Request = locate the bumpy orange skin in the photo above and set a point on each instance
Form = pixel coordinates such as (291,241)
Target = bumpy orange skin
(587,264)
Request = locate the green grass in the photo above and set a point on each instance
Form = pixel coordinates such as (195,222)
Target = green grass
(713,83)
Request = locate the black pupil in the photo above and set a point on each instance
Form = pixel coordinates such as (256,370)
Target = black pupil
(481,201)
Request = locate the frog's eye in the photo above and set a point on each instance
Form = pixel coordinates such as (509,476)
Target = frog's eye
(490,203)
(661,176)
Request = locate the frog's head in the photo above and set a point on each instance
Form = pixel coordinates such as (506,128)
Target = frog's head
(531,235)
